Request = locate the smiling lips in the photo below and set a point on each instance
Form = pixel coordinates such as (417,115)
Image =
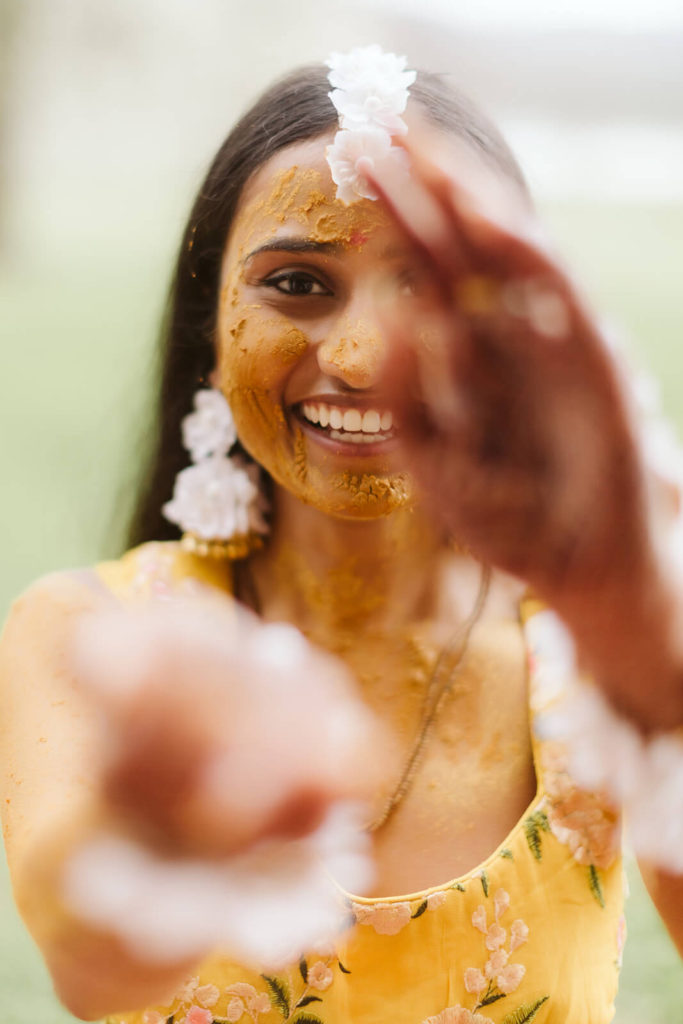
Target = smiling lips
(354,426)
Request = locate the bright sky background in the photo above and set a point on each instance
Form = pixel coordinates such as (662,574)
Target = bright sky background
(527,15)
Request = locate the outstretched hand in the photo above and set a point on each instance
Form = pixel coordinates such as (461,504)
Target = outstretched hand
(517,427)
(511,412)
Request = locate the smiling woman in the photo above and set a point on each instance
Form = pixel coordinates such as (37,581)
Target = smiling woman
(428,408)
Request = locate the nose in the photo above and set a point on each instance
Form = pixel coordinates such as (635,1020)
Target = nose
(353,351)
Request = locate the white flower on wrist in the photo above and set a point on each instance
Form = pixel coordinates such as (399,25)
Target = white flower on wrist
(210,429)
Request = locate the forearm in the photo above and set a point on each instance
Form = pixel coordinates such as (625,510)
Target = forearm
(92,971)
(626,637)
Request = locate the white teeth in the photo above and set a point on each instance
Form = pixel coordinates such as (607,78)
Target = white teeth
(353,420)
(368,425)
(371,422)
(311,412)
(343,435)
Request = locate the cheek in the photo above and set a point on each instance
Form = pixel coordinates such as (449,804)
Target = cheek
(257,355)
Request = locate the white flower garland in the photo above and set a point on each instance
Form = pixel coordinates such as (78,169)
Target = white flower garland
(608,754)
(370,92)
(217,497)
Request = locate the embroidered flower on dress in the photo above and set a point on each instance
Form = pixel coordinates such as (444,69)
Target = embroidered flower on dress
(153,1017)
(198,1015)
(319,976)
(385,918)
(246,999)
(499,977)
(584,822)
(193,992)
(436,900)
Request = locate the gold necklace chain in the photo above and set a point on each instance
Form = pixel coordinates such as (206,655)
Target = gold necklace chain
(437,691)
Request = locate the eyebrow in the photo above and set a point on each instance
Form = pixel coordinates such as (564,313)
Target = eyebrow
(295,245)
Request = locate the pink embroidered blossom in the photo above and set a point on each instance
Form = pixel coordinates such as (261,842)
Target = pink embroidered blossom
(519,933)
(495,937)
(235,1010)
(385,918)
(479,919)
(501,902)
(319,976)
(256,1002)
(475,982)
(510,978)
(153,1017)
(198,1015)
(206,995)
(436,900)
(495,963)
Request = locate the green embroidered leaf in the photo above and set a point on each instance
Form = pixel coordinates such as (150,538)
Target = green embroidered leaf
(485,882)
(306,1018)
(542,820)
(303,968)
(506,853)
(533,837)
(493,998)
(458,886)
(171,1019)
(525,1013)
(279,993)
(343,969)
(305,1000)
(420,910)
(595,885)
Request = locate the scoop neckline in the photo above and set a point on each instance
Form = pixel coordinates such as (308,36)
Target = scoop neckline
(476,872)
(468,876)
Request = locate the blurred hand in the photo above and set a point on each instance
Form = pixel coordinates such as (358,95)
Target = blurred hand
(221,731)
(510,409)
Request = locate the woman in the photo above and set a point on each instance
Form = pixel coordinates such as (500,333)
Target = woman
(427,397)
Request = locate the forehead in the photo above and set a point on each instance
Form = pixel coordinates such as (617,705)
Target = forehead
(294,191)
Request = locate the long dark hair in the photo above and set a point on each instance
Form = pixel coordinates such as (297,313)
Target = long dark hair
(292,110)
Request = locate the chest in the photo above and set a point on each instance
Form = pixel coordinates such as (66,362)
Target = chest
(474,775)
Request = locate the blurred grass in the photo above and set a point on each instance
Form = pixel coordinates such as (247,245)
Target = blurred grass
(75,372)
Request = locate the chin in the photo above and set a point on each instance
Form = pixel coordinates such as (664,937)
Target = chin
(358,496)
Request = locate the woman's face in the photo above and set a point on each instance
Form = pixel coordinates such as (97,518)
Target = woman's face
(301,345)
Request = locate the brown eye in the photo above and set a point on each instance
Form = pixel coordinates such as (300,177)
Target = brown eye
(296,282)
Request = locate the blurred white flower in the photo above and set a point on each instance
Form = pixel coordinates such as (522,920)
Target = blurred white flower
(210,429)
(264,906)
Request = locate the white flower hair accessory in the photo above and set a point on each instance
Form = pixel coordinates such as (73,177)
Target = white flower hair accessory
(217,500)
(370,92)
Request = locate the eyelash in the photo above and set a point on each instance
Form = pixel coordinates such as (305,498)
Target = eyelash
(290,276)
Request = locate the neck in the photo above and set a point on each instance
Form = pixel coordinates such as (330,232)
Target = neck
(332,576)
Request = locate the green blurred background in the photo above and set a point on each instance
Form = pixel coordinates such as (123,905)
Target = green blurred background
(109,114)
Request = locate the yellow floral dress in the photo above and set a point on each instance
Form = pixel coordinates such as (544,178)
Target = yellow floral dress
(534,933)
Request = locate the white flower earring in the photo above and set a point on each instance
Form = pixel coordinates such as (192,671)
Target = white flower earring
(217,501)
